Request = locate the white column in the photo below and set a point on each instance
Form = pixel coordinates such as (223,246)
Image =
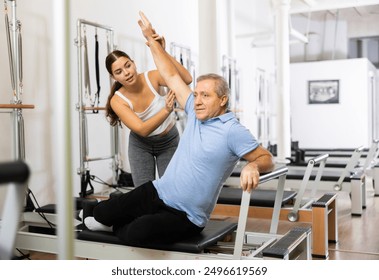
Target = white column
(231,28)
(281,9)
(208,43)
(62,130)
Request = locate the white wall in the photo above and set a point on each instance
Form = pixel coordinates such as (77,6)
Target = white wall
(344,125)
(252,18)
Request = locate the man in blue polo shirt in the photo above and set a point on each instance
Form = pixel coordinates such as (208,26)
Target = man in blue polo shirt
(179,204)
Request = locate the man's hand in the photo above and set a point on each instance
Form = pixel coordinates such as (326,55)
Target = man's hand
(249,178)
(146,27)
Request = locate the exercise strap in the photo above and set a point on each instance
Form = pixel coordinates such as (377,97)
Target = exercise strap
(97,95)
(193,73)
(87,82)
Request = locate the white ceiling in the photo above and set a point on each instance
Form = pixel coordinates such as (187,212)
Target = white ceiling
(347,9)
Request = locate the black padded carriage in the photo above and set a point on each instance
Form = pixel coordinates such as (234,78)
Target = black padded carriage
(263,198)
(214,231)
(327,175)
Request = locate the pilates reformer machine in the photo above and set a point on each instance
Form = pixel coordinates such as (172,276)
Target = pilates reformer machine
(13,175)
(320,212)
(220,239)
(89,103)
(183,54)
(15,107)
(339,157)
(14,40)
(351,176)
(346,179)
(369,160)
(231,75)
(263,111)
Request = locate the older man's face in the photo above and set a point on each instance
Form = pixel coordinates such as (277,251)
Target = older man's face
(207,103)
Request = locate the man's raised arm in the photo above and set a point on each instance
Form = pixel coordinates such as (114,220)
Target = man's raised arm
(163,62)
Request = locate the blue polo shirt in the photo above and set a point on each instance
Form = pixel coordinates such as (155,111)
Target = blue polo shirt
(204,159)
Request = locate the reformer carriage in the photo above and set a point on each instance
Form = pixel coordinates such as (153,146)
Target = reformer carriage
(219,240)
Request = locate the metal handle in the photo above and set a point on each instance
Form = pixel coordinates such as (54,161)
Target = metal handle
(245,203)
(319,158)
(274,174)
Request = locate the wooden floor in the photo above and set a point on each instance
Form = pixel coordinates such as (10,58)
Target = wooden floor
(358,235)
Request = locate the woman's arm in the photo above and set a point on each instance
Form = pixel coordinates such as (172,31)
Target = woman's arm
(134,123)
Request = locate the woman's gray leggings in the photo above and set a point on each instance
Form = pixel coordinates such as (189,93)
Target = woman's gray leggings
(146,154)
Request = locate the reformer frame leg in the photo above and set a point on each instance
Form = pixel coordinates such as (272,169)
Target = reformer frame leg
(85,181)
(324,225)
(358,196)
(375,180)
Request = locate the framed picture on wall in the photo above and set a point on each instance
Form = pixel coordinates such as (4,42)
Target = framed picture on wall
(323,92)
